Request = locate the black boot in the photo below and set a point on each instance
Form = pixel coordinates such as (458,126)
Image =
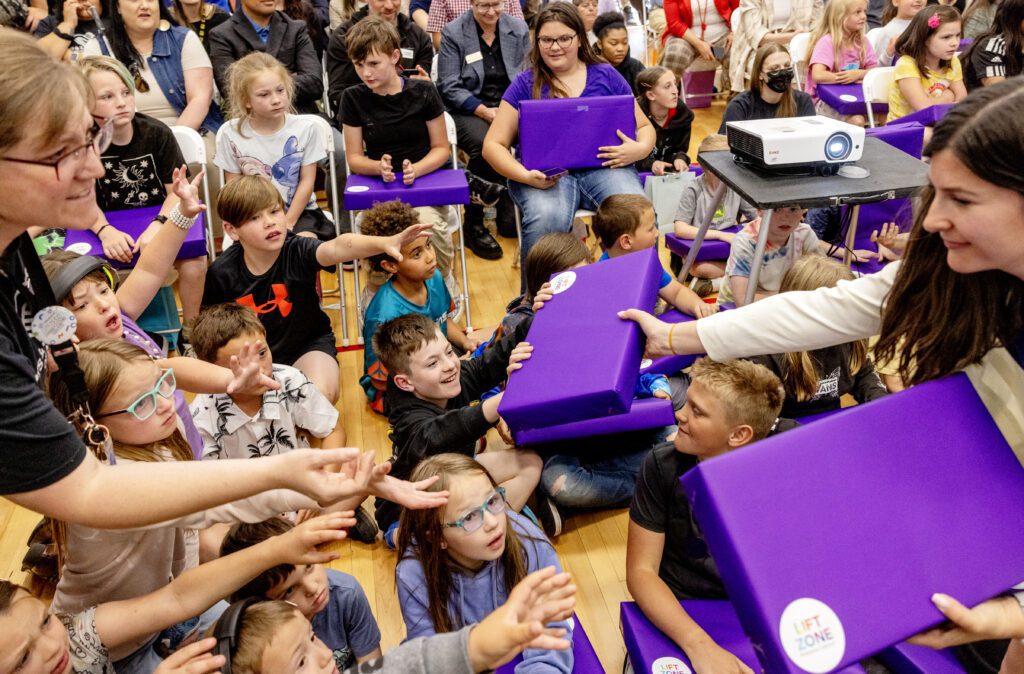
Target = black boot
(483,192)
(476,236)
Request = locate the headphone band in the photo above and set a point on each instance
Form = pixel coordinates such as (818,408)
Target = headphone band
(75,270)
(226,629)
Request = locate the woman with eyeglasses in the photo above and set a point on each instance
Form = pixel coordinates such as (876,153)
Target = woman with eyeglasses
(564,65)
(172,71)
(471,89)
(49,165)
(771,93)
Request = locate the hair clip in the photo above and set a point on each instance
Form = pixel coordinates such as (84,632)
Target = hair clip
(933,21)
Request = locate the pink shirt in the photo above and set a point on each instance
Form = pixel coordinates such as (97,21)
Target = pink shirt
(849,59)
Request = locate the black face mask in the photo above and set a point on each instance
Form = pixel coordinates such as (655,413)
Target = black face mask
(780,80)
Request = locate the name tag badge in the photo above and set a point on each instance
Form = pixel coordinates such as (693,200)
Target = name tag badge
(407,53)
(474,57)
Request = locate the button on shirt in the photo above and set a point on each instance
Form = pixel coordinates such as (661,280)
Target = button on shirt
(495,76)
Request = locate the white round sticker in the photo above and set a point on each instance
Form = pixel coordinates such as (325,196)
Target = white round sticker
(358,188)
(670,665)
(646,363)
(812,635)
(54,325)
(563,282)
(849,98)
(82,248)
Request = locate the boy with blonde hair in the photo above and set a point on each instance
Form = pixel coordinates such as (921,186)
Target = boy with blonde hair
(729,405)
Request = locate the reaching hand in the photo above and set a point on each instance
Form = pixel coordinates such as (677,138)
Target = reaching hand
(117,245)
(188,192)
(999,618)
(392,245)
(680,166)
(621,155)
(540,598)
(408,172)
(656,331)
(387,173)
(192,659)
(658,167)
(886,236)
(300,544)
(413,495)
(306,471)
(521,352)
(247,377)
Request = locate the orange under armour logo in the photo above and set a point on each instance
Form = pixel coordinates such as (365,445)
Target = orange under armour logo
(280,301)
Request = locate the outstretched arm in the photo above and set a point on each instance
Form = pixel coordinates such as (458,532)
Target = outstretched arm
(352,246)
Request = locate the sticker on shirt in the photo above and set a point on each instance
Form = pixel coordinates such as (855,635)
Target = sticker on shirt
(670,665)
(812,635)
(562,282)
(408,54)
(474,57)
(132,182)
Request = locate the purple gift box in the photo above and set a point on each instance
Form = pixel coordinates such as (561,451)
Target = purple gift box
(650,650)
(134,222)
(644,413)
(929,116)
(585,359)
(440,188)
(831,540)
(910,659)
(584,658)
(567,132)
(710,249)
(848,99)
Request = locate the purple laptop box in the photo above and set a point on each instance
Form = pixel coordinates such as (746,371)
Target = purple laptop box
(585,359)
(710,249)
(584,658)
(644,413)
(134,223)
(566,132)
(848,99)
(910,659)
(854,532)
(647,645)
(440,188)
(929,116)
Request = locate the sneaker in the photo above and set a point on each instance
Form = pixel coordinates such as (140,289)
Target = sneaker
(365,529)
(547,511)
(702,286)
(483,192)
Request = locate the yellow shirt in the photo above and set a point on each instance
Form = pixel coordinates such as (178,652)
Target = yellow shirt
(934,84)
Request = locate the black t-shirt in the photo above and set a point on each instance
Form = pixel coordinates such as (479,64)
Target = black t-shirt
(988,59)
(203,27)
(748,105)
(37,444)
(394,124)
(284,297)
(136,174)
(495,76)
(83,33)
(659,505)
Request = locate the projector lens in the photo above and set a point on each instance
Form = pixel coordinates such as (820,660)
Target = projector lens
(838,146)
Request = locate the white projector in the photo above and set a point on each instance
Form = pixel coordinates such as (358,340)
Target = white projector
(796,144)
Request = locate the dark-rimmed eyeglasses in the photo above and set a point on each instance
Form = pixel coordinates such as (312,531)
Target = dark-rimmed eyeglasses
(97,138)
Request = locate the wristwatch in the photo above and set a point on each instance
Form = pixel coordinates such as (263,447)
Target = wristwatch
(160,218)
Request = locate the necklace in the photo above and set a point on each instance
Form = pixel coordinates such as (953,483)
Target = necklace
(703,10)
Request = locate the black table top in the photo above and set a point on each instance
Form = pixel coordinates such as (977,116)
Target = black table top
(893,174)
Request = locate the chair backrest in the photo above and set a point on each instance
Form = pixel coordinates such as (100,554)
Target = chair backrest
(326,101)
(325,129)
(798,52)
(873,34)
(191,144)
(453,135)
(876,84)
(433,69)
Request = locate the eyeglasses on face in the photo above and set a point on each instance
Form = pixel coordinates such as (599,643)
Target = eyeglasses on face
(474,519)
(97,138)
(489,6)
(563,41)
(778,69)
(145,405)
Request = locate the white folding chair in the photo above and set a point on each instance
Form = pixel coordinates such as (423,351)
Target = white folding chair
(332,182)
(876,85)
(194,152)
(873,34)
(433,70)
(454,214)
(798,47)
(325,102)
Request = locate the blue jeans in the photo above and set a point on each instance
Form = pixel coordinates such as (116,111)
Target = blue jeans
(551,210)
(599,472)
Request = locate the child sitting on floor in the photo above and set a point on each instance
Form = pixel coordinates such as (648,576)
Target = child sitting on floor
(625,223)
(694,203)
(275,272)
(332,601)
(432,404)
(415,286)
(728,405)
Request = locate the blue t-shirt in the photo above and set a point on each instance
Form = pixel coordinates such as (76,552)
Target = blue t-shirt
(666,278)
(388,303)
(602,80)
(346,625)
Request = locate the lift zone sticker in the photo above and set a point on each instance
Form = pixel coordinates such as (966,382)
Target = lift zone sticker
(812,635)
